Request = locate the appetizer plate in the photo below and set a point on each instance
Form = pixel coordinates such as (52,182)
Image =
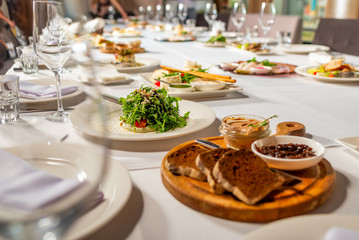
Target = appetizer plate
(214,44)
(305,227)
(301,48)
(176,39)
(51,103)
(116,184)
(352,143)
(200,117)
(145,63)
(195,94)
(303,70)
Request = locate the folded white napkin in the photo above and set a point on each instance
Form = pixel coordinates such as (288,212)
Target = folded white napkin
(26,188)
(320,57)
(339,233)
(104,75)
(95,25)
(35,91)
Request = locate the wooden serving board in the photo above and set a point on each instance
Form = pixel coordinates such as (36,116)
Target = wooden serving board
(316,187)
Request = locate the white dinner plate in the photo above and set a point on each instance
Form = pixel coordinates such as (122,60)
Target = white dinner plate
(116,185)
(195,94)
(311,227)
(51,103)
(200,117)
(214,44)
(301,48)
(145,63)
(303,70)
(352,143)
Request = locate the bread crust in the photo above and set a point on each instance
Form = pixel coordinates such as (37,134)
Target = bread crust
(182,162)
(246,176)
(205,162)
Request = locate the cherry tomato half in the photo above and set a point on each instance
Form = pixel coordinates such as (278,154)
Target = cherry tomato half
(158,83)
(141,124)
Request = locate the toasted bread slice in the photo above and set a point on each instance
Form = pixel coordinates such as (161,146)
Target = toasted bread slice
(205,162)
(182,162)
(245,175)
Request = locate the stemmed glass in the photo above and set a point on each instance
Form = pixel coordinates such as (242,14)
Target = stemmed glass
(266,19)
(169,12)
(210,14)
(52,46)
(159,13)
(142,13)
(52,176)
(238,15)
(182,12)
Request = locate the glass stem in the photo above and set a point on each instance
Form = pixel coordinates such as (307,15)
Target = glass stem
(60,107)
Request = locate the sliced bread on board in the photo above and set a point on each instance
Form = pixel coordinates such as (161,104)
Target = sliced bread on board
(246,176)
(182,162)
(205,162)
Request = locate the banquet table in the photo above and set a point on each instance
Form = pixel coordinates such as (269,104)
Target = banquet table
(328,110)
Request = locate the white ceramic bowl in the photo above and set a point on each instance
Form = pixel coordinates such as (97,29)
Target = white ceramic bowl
(203,85)
(180,88)
(289,164)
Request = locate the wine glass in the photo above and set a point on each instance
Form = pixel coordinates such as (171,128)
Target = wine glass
(238,15)
(169,12)
(149,13)
(266,19)
(182,12)
(52,46)
(159,12)
(54,173)
(142,13)
(210,14)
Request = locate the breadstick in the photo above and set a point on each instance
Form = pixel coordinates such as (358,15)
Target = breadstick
(202,74)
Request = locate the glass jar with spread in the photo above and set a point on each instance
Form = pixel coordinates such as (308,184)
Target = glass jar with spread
(241,130)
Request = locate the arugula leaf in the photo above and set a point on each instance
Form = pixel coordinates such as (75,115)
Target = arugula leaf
(263,123)
(218,38)
(267,63)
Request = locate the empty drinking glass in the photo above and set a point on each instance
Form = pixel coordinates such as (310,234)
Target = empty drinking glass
(9,98)
(28,59)
(266,19)
(238,15)
(169,12)
(210,14)
(159,13)
(182,12)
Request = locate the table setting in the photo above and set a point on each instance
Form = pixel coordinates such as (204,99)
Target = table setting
(109,145)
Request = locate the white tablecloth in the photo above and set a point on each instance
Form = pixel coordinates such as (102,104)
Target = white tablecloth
(328,110)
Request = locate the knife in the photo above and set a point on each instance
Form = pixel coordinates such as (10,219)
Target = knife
(110,98)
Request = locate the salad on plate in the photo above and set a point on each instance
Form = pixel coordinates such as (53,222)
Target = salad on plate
(148,110)
(335,68)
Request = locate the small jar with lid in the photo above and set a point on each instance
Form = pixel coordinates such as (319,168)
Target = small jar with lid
(241,130)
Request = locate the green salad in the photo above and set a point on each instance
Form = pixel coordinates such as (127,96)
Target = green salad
(218,38)
(153,109)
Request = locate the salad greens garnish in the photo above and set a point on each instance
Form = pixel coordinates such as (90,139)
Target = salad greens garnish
(264,63)
(186,77)
(262,123)
(218,38)
(153,108)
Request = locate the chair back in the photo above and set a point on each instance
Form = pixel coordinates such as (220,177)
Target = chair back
(341,35)
(288,23)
